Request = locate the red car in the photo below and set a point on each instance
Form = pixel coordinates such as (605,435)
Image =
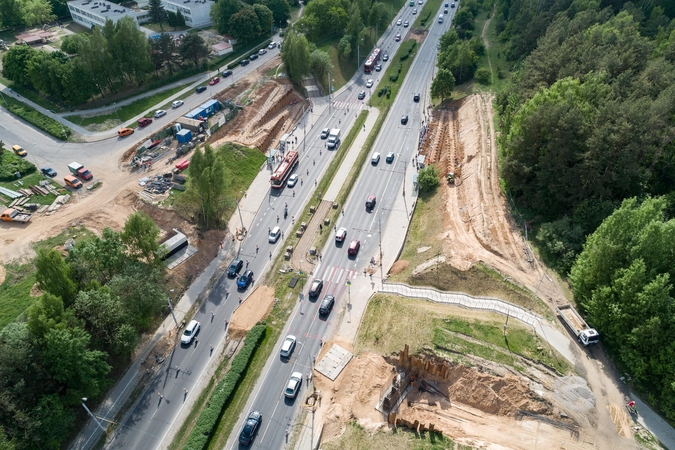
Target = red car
(216,80)
(144,122)
(354,247)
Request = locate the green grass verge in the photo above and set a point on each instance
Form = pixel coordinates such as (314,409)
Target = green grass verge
(343,70)
(494,58)
(356,437)
(32,96)
(36,118)
(428,14)
(400,65)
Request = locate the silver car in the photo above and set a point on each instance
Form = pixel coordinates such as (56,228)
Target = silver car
(293,385)
(288,346)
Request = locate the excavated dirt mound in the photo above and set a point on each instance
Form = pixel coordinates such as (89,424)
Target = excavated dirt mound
(399,266)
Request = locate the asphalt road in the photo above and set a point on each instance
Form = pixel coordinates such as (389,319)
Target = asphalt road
(337,267)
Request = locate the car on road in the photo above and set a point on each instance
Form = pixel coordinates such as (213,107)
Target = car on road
(250,427)
(227,73)
(371,200)
(288,346)
(235,266)
(385,57)
(177,103)
(200,89)
(362,95)
(378,68)
(452,6)
(326,305)
(253,57)
(375,158)
(340,235)
(190,332)
(398,37)
(369,83)
(144,122)
(324,133)
(214,80)
(292,180)
(416,98)
(445,11)
(404,120)
(406,24)
(160,113)
(123,132)
(262,51)
(390,157)
(17,149)
(446,5)
(398,22)
(244,62)
(48,171)
(315,290)
(354,247)
(419,2)
(272,45)
(415,11)
(274,236)
(245,280)
(293,385)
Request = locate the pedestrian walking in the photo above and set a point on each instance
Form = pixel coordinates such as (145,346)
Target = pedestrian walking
(301,181)
(256,249)
(314,162)
(320,227)
(315,182)
(221,245)
(269,230)
(211,351)
(247,263)
(293,193)
(177,371)
(277,218)
(335,228)
(270,254)
(307,173)
(160,395)
(240,299)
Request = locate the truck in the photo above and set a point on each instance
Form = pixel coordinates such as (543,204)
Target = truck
(585,334)
(285,169)
(12,215)
(334,138)
(79,170)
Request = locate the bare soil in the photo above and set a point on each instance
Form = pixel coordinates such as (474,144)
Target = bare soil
(255,308)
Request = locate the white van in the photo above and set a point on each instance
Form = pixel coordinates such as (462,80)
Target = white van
(274,235)
(440,18)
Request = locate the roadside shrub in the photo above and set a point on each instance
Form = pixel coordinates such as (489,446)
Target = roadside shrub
(428,179)
(482,75)
(395,72)
(208,419)
(34,117)
(10,164)
(385,91)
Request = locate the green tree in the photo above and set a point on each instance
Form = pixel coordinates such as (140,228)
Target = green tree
(157,12)
(131,50)
(98,259)
(71,43)
(265,18)
(193,48)
(54,275)
(320,63)
(460,59)
(52,421)
(180,19)
(464,23)
(141,290)
(428,179)
(102,315)
(482,75)
(10,13)
(378,15)
(222,11)
(281,11)
(244,25)
(345,47)
(295,55)
(36,12)
(46,314)
(171,19)
(141,238)
(447,40)
(15,64)
(443,85)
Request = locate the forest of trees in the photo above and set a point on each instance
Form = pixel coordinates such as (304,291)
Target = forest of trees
(247,21)
(95,304)
(587,156)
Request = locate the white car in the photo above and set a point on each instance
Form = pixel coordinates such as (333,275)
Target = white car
(375,159)
(262,51)
(293,385)
(190,332)
(177,103)
(292,180)
(159,113)
(288,346)
(341,235)
(398,22)
(272,45)
(369,83)
(274,236)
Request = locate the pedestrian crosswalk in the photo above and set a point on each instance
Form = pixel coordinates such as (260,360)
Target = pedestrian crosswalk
(337,275)
(352,106)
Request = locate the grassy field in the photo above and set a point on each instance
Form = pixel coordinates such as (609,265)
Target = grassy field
(493,59)
(427,15)
(343,70)
(407,51)
(450,330)
(356,437)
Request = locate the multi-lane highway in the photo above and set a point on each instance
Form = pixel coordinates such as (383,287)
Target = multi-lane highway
(382,180)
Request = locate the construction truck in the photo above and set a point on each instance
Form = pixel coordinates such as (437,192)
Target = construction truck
(451,177)
(12,215)
(585,334)
(79,170)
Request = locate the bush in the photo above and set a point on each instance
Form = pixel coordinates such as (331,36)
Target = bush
(10,164)
(395,72)
(385,91)
(208,419)
(34,117)
(428,179)
(482,75)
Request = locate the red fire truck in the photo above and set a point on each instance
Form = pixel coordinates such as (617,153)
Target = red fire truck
(284,170)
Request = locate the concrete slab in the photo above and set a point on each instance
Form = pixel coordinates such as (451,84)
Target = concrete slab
(333,362)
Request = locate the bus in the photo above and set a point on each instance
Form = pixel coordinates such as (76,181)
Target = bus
(284,170)
(372,61)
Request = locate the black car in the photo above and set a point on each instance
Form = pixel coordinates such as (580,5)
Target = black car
(227,73)
(48,171)
(200,89)
(253,57)
(250,427)
(404,120)
(244,62)
(245,279)
(445,11)
(315,290)
(362,95)
(378,68)
(235,267)
(326,305)
(416,97)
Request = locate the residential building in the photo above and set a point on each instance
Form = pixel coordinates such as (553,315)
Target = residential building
(88,13)
(196,12)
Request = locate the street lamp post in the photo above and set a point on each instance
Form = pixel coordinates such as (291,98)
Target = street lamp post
(239,209)
(84,399)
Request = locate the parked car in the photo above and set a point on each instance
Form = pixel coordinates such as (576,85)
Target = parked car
(317,286)
(369,83)
(292,180)
(244,62)
(190,332)
(160,113)
(200,89)
(227,73)
(293,385)
(48,171)
(362,95)
(253,57)
(262,51)
(326,305)
(250,427)
(123,132)
(18,150)
(235,266)
(341,235)
(144,122)
(245,280)
(390,157)
(375,158)
(404,120)
(288,346)
(177,103)
(324,133)
(354,247)
(214,80)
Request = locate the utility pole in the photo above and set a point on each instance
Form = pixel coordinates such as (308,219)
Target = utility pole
(171,309)
(84,399)
(379,223)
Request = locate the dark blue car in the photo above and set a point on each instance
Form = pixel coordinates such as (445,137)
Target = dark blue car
(245,280)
